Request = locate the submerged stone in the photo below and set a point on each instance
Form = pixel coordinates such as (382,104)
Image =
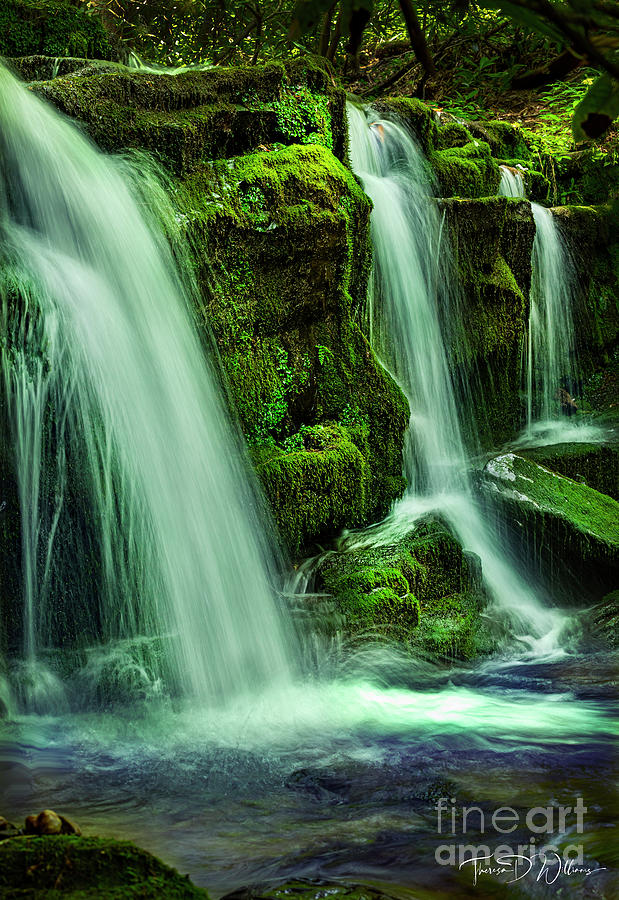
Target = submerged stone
(310,889)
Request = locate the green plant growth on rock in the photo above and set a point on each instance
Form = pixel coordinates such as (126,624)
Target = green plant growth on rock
(83,867)
(421,588)
(591,235)
(189,117)
(569,526)
(468,171)
(52,28)
(283,255)
(596,465)
(492,240)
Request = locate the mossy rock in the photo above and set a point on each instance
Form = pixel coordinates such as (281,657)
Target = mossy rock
(316,492)
(492,240)
(467,171)
(43,68)
(193,116)
(421,588)
(597,465)
(536,184)
(283,254)
(505,140)
(85,867)
(567,528)
(53,28)
(452,135)
(603,620)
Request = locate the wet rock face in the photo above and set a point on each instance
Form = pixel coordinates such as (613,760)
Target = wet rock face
(566,529)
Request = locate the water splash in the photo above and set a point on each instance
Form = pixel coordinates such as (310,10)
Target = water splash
(141,527)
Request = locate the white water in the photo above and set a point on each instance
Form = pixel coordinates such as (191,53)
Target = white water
(411,297)
(550,363)
(167,582)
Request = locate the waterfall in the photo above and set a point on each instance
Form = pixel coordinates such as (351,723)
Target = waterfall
(144,556)
(550,352)
(411,298)
(511,183)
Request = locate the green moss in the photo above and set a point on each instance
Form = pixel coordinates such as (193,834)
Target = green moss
(80,867)
(506,141)
(536,184)
(421,588)
(452,135)
(492,240)
(314,492)
(467,171)
(194,116)
(570,526)
(282,240)
(597,465)
(51,27)
(591,233)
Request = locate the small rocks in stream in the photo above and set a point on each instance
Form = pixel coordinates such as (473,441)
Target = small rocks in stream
(49,822)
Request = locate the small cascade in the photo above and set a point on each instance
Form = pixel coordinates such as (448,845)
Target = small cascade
(551,355)
(146,563)
(511,183)
(412,297)
(550,359)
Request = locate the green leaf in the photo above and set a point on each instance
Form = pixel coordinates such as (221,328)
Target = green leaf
(597,110)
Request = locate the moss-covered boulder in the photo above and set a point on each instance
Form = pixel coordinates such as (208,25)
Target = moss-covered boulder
(602,621)
(421,588)
(506,141)
(567,528)
(596,465)
(192,116)
(468,171)
(283,258)
(492,241)
(53,28)
(85,867)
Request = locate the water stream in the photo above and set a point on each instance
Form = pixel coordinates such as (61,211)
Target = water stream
(414,294)
(550,360)
(109,397)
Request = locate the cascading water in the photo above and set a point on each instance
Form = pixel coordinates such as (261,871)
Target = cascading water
(143,545)
(550,363)
(413,283)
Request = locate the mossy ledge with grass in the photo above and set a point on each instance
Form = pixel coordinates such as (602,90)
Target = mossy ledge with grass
(50,866)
